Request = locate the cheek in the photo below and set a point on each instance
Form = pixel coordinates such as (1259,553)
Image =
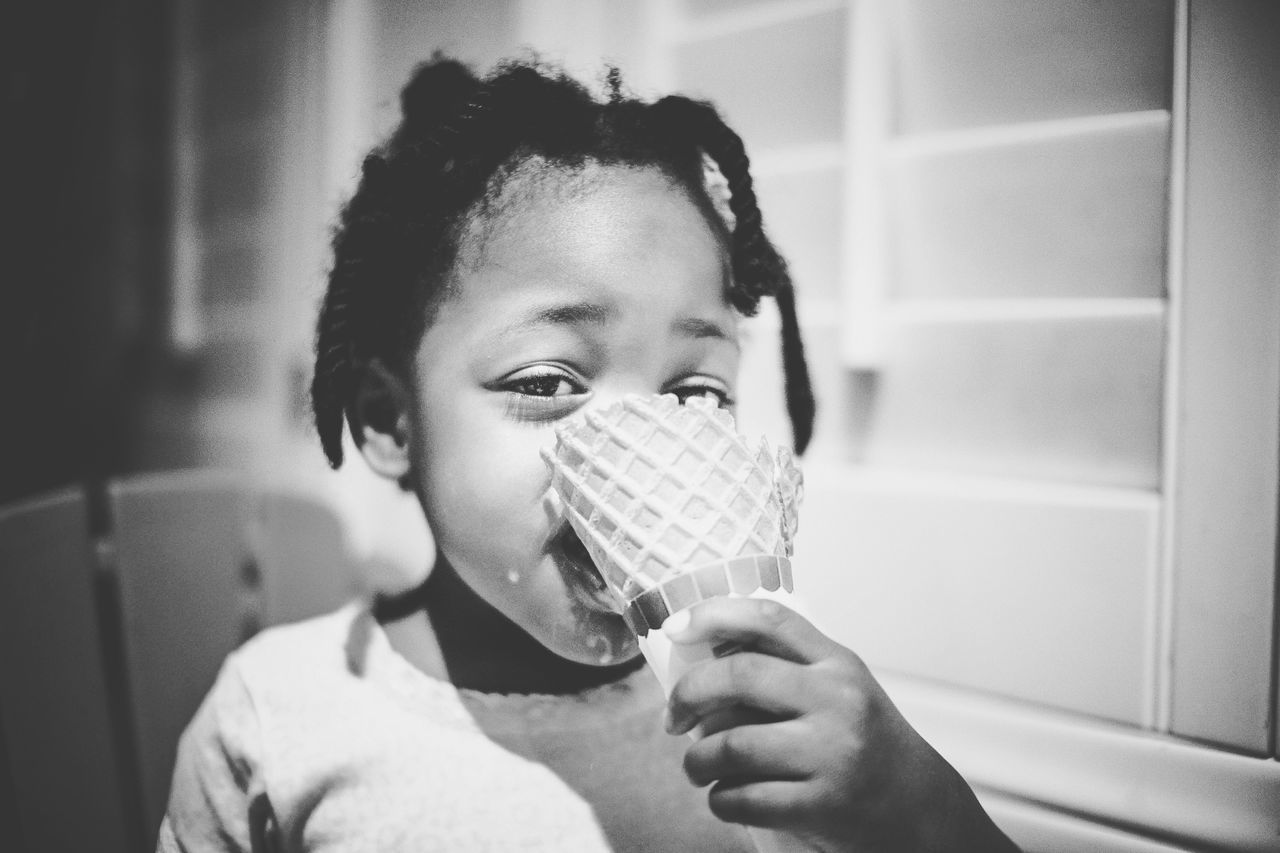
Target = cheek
(485,483)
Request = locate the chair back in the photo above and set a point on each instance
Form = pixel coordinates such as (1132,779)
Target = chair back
(181,559)
(62,709)
(113,630)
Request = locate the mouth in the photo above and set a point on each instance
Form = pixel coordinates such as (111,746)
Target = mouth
(580,572)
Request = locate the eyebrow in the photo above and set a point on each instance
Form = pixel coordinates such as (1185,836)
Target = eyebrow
(595,314)
(697,328)
(572,314)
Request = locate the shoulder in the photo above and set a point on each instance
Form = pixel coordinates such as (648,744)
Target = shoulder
(317,642)
(288,673)
(284,663)
(226,754)
(285,654)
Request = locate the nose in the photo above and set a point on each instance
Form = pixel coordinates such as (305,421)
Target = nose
(606,394)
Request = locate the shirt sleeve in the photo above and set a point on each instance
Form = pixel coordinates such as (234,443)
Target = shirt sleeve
(218,800)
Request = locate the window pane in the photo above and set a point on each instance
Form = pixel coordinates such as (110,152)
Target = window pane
(777,85)
(1075,215)
(1003,61)
(1072,399)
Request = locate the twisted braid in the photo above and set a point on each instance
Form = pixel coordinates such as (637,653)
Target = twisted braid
(758,269)
(393,225)
(459,139)
(355,248)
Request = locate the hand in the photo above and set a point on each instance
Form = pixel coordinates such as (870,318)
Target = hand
(820,752)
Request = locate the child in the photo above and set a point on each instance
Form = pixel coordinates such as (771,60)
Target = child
(515,253)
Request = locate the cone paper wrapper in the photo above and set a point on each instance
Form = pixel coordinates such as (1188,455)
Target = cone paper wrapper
(669,661)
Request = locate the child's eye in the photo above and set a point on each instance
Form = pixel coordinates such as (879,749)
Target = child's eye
(541,393)
(702,387)
(543,385)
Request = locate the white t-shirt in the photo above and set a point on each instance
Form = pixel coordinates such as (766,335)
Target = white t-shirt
(320,737)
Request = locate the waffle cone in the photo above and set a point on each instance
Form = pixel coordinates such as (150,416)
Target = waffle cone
(673,505)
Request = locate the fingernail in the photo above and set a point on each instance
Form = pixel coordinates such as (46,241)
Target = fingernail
(674,726)
(666,720)
(677,623)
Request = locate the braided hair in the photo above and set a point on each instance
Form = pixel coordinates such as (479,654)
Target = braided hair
(459,139)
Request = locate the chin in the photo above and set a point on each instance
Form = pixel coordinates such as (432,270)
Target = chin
(594,639)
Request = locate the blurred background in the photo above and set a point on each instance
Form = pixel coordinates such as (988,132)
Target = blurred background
(1036,247)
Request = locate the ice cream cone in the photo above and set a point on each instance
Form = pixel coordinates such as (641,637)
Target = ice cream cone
(675,507)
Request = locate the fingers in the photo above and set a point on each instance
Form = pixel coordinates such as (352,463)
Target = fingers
(759,623)
(769,804)
(775,751)
(742,680)
(718,721)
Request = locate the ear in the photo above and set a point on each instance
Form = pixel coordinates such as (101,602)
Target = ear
(381,421)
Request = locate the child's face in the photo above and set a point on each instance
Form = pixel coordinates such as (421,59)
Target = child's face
(573,299)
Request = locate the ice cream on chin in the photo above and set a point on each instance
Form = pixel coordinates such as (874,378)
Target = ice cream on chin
(673,506)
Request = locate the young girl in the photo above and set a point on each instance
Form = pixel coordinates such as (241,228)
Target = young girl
(515,253)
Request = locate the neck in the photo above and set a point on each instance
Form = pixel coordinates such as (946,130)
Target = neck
(483,650)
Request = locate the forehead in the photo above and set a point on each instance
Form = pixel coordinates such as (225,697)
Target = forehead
(621,232)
